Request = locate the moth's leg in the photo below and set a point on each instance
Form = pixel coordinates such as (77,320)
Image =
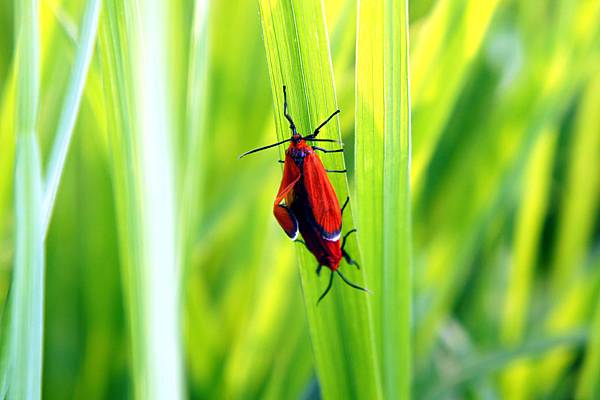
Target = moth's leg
(350,260)
(327,151)
(345,203)
(318,270)
(346,256)
(346,236)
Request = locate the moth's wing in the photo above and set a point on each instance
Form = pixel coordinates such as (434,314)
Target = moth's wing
(284,216)
(287,220)
(322,198)
(291,175)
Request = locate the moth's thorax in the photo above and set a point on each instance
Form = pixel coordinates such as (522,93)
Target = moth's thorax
(298,150)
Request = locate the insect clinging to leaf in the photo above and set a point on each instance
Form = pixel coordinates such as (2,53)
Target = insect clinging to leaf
(306,202)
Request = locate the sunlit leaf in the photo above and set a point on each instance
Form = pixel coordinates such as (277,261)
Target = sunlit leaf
(382,182)
(341,326)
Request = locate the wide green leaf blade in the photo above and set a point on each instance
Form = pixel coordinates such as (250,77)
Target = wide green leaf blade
(382,181)
(340,327)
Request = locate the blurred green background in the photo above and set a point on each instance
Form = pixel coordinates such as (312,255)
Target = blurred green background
(505,187)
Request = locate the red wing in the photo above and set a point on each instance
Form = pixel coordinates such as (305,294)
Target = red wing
(322,198)
(287,220)
(291,175)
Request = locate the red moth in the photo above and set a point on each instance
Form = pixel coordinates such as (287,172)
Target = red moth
(310,205)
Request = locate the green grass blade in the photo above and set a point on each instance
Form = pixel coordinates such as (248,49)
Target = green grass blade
(529,224)
(70,109)
(546,98)
(382,181)
(266,325)
(444,52)
(28,276)
(27,311)
(340,327)
(581,196)
(196,109)
(589,377)
(7,153)
(5,361)
(137,100)
(581,200)
(4,358)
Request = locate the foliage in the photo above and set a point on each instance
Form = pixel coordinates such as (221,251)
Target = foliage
(133,242)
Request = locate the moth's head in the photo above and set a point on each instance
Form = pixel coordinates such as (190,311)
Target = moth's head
(296,138)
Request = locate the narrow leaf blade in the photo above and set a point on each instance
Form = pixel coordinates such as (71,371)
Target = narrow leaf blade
(70,108)
(382,181)
(340,327)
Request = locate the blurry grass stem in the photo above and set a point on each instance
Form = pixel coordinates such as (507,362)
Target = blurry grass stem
(70,108)
(134,43)
(27,312)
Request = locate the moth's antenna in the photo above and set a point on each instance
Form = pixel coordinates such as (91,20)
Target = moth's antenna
(287,116)
(264,148)
(316,132)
